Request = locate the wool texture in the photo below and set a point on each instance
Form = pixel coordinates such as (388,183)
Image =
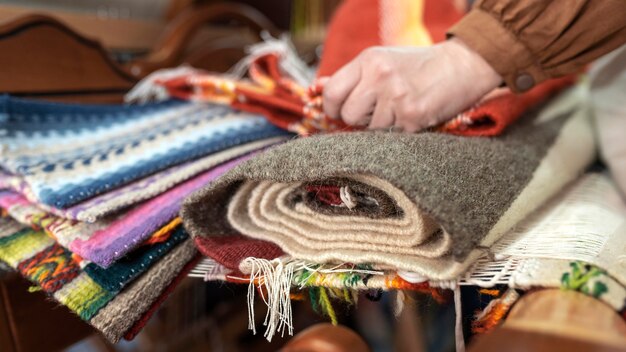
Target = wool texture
(336,278)
(68,153)
(573,242)
(109,239)
(456,193)
(156,305)
(83,290)
(269,92)
(107,245)
(230,251)
(63,231)
(121,313)
(543,272)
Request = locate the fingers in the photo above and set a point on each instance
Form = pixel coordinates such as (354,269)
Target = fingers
(410,115)
(338,88)
(383,116)
(357,109)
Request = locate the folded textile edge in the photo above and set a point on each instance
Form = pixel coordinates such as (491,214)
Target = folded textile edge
(451,179)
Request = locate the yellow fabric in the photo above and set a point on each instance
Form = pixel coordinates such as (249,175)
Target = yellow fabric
(403,23)
(24,246)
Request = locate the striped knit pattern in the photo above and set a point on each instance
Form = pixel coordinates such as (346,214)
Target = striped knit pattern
(107,240)
(83,296)
(50,269)
(119,316)
(105,204)
(68,153)
(84,290)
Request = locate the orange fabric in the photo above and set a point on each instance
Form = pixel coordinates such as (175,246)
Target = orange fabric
(298,109)
(164,233)
(356,26)
(492,116)
(490,292)
(268,92)
(439,16)
(399,283)
(348,35)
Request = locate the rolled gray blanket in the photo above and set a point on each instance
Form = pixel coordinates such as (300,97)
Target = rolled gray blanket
(427,202)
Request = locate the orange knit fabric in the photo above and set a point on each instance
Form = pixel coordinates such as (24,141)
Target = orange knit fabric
(492,116)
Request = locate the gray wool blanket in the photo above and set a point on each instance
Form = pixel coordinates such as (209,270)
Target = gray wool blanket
(429,203)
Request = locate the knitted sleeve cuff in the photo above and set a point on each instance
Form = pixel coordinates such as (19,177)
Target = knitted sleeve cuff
(500,47)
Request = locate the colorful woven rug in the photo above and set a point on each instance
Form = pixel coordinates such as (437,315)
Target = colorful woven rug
(86,291)
(68,153)
(107,240)
(105,204)
(133,303)
(297,109)
(426,202)
(573,242)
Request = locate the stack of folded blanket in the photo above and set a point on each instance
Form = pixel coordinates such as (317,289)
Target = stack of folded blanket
(376,210)
(90,197)
(350,210)
(91,194)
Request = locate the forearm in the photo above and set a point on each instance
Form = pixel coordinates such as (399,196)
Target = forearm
(529,41)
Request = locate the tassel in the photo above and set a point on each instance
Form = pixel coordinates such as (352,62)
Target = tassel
(494,312)
(399,307)
(458,326)
(274,277)
(290,63)
(327,307)
(149,89)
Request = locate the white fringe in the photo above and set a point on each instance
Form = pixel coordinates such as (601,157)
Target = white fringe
(275,276)
(574,226)
(148,90)
(346,197)
(209,270)
(399,306)
(459,339)
(290,63)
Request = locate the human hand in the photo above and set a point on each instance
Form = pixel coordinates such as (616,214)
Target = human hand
(411,88)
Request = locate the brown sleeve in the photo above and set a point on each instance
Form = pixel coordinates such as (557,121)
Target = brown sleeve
(528,41)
